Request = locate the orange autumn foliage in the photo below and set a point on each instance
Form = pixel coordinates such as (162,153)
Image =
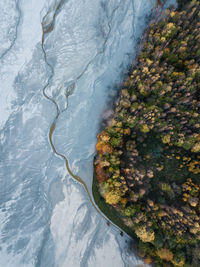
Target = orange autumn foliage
(123,201)
(165,254)
(103,148)
(101,174)
(148,260)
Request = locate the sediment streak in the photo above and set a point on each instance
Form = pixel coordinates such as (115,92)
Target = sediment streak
(45,30)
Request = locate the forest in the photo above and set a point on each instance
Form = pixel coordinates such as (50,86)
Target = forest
(147,166)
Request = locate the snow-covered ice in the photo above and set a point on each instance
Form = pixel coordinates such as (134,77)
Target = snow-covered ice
(46,218)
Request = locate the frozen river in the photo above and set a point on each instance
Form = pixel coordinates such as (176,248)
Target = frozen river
(65,59)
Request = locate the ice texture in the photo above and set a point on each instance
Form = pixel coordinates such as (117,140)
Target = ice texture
(46,218)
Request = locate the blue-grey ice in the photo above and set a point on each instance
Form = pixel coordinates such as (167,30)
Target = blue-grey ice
(46,218)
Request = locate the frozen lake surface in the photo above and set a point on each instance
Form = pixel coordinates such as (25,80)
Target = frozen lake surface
(77,52)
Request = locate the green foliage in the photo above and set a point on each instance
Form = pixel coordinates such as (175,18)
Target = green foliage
(115,142)
(130,211)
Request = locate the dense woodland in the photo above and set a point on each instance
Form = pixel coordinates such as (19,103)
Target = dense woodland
(148,155)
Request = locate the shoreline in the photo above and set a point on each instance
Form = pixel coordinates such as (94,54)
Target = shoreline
(108,210)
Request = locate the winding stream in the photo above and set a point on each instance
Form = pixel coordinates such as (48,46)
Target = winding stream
(60,62)
(48,29)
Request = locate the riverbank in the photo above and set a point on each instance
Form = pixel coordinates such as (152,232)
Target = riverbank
(147,165)
(108,210)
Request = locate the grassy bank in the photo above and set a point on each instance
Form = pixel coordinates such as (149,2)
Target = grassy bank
(108,210)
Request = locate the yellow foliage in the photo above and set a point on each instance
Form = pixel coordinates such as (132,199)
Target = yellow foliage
(165,254)
(110,169)
(145,69)
(112,198)
(144,234)
(149,62)
(173,14)
(178,264)
(196,147)
(166,139)
(170,25)
(175,74)
(180,142)
(145,128)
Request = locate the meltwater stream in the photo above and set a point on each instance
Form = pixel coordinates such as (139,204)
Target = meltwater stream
(75,52)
